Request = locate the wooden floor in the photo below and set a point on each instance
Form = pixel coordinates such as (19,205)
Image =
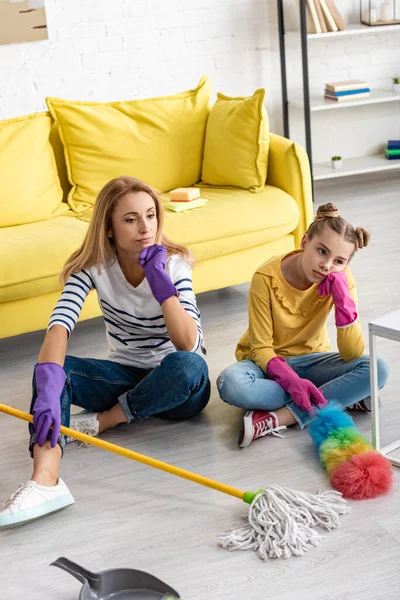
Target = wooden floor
(130,515)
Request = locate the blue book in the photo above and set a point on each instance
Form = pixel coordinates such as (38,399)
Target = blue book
(348,93)
(393,145)
(393,157)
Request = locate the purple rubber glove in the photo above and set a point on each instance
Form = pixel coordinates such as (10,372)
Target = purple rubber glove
(301,390)
(153,260)
(345,307)
(49,379)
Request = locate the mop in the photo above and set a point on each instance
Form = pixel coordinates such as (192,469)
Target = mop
(281,522)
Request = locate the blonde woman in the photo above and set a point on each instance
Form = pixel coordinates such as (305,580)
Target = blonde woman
(154,365)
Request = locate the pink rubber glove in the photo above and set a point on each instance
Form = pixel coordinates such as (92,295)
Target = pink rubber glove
(301,390)
(49,380)
(153,260)
(345,307)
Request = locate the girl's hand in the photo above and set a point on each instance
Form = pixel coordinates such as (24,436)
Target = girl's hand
(301,390)
(335,284)
(304,392)
(153,260)
(345,307)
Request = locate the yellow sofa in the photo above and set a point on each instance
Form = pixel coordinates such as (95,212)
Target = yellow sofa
(236,233)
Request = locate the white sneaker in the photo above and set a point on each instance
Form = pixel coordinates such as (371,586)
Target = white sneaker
(85,422)
(32,501)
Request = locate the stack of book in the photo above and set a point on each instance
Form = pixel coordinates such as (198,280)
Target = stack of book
(323,16)
(185,198)
(341,91)
(392,150)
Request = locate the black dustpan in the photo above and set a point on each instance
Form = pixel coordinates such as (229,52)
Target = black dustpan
(117,584)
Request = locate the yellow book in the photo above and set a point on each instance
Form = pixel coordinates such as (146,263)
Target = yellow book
(179,206)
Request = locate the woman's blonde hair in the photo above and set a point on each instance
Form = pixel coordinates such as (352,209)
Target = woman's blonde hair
(97,248)
(329,216)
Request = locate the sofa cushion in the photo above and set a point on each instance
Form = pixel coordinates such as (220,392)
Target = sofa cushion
(233,220)
(236,144)
(29,185)
(32,255)
(158,140)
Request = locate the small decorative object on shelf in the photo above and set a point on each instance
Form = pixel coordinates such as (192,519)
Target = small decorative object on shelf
(336,162)
(386,11)
(396,84)
(373,15)
(392,150)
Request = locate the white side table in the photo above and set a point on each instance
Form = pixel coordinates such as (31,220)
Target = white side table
(387,327)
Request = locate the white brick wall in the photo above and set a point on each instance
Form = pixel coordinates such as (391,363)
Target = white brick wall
(114,49)
(121,49)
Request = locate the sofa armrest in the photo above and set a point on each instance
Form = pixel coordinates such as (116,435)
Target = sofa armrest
(289,170)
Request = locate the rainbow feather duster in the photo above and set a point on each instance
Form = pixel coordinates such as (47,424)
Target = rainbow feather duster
(354,468)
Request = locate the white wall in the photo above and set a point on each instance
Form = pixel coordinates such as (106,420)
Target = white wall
(122,49)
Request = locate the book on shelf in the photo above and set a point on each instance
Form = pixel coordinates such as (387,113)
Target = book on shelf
(337,17)
(392,152)
(330,21)
(314,16)
(347,98)
(311,27)
(320,16)
(347,93)
(343,86)
(390,157)
(393,145)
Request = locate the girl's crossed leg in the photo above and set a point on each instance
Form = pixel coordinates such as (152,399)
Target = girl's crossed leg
(245,385)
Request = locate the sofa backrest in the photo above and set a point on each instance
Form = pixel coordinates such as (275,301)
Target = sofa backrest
(60,160)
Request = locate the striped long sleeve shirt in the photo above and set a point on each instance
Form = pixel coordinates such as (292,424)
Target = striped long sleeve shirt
(135,326)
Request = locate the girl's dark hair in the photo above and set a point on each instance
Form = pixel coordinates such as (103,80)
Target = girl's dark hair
(329,216)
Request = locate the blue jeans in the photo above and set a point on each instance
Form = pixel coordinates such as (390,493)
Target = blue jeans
(179,388)
(245,385)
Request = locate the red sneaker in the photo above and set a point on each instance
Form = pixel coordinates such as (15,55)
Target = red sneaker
(256,424)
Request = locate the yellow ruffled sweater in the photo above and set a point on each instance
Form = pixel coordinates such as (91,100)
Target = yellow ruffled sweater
(285,321)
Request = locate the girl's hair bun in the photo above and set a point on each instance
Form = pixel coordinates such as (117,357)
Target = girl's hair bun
(327,211)
(362,237)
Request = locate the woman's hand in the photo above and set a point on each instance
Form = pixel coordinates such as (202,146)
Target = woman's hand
(345,307)
(153,260)
(49,381)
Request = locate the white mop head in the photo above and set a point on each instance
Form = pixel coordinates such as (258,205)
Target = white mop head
(282,522)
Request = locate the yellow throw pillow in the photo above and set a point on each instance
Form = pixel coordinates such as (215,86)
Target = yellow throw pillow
(158,140)
(29,185)
(237,141)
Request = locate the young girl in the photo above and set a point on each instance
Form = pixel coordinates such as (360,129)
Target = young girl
(285,366)
(154,367)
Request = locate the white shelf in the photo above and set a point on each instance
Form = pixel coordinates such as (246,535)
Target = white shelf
(352,29)
(354,166)
(318,103)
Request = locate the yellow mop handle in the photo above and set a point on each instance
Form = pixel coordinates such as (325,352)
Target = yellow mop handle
(146,460)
